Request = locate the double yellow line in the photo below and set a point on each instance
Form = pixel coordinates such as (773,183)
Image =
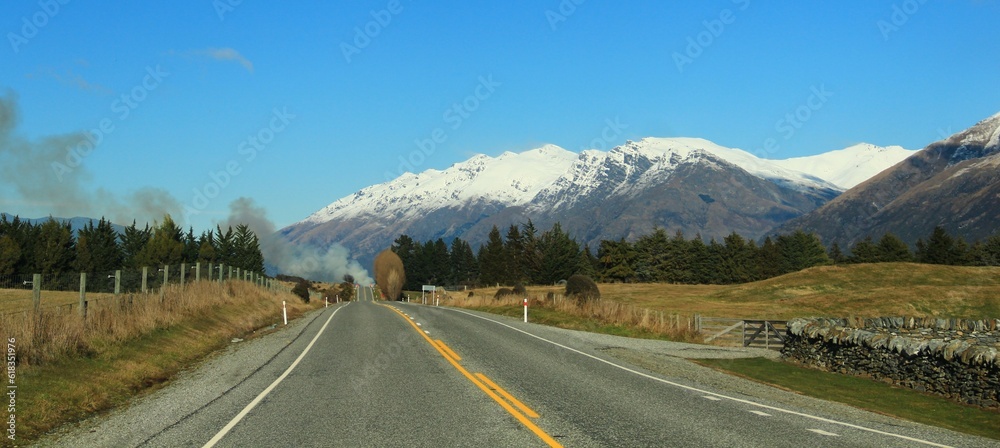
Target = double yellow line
(512,405)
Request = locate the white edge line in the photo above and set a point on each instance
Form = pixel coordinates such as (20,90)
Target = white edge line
(232,423)
(694,389)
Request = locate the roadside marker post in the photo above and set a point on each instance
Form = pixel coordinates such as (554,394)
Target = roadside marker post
(326,302)
(284,312)
(525,310)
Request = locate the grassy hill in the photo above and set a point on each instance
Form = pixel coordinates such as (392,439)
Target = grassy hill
(865,290)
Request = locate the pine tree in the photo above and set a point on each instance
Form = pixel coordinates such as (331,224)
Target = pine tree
(617,258)
(940,248)
(10,253)
(406,249)
(836,255)
(559,254)
(56,250)
(532,261)
(865,251)
(769,259)
(702,270)
(192,247)
(97,248)
(165,247)
(206,247)
(514,258)
(491,259)
(463,262)
(892,249)
(801,250)
(586,266)
(651,262)
(246,248)
(132,243)
(440,261)
(225,246)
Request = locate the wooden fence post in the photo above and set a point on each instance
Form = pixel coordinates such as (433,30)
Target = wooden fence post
(197,271)
(145,275)
(36,291)
(83,295)
(183,273)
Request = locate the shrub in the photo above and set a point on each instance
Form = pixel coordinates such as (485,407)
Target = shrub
(582,288)
(503,292)
(519,289)
(301,289)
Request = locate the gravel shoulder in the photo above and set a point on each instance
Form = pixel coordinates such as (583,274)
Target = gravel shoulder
(190,391)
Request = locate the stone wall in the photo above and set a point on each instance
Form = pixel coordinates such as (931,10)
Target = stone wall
(954,358)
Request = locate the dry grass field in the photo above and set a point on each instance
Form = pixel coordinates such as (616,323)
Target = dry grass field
(130,344)
(864,290)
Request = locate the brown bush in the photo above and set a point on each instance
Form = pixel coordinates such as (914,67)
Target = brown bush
(390,274)
(503,292)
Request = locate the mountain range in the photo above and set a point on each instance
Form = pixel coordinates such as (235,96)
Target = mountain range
(686,184)
(953,183)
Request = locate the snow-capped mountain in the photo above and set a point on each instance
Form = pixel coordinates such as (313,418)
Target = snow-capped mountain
(510,179)
(685,184)
(953,183)
(850,166)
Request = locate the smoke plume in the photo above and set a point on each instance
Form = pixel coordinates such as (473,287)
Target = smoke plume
(44,174)
(311,262)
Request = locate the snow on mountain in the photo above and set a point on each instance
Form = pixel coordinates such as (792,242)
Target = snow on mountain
(551,177)
(510,179)
(635,166)
(850,166)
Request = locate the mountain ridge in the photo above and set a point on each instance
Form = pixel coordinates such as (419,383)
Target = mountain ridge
(689,184)
(952,182)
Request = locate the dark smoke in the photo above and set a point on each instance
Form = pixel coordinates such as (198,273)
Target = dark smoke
(30,167)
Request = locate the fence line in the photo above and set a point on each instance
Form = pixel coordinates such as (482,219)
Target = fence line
(24,293)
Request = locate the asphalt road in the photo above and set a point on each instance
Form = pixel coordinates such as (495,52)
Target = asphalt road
(395,374)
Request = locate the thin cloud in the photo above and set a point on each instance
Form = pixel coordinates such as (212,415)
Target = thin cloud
(72,79)
(225,54)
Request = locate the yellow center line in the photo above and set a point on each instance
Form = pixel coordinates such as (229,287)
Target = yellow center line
(514,401)
(489,392)
(448,350)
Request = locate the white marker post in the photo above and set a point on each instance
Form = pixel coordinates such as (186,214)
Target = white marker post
(284,312)
(326,302)
(525,310)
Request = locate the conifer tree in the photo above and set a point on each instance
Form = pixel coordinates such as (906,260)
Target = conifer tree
(491,259)
(893,249)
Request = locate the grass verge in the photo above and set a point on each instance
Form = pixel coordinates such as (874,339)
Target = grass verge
(121,351)
(865,394)
(605,317)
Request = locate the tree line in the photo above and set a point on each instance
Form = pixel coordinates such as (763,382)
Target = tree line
(523,255)
(50,248)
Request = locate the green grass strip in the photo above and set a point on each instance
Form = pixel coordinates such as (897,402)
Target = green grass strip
(866,394)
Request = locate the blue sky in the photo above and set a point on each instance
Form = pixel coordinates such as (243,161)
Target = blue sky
(342,91)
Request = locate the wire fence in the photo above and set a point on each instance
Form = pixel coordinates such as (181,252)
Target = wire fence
(73,291)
